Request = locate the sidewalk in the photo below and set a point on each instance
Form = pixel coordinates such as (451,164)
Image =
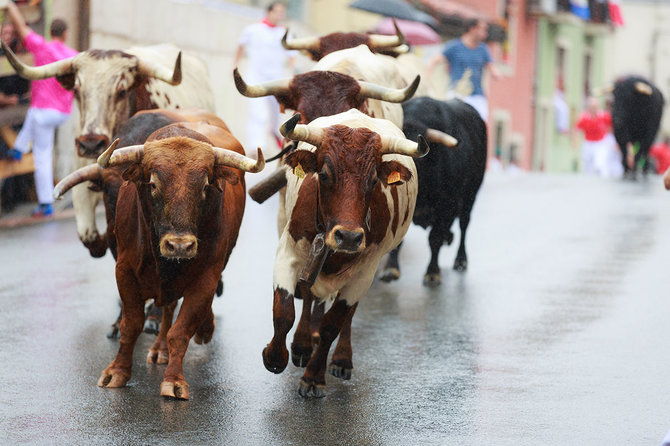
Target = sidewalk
(20,215)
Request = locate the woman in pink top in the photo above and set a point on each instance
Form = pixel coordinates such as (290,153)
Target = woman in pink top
(50,106)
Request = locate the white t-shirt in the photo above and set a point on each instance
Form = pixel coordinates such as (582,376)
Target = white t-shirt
(265,54)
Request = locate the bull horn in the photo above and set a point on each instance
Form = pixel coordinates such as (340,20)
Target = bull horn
(402,146)
(440,137)
(225,157)
(159,72)
(305,43)
(299,132)
(603,91)
(59,68)
(91,172)
(265,89)
(379,41)
(128,154)
(374,91)
(400,49)
(643,88)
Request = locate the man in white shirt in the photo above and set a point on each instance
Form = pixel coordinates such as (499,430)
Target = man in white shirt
(266,60)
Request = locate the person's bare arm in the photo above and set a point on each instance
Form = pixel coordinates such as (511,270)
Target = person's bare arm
(17,19)
(238,55)
(495,74)
(434,61)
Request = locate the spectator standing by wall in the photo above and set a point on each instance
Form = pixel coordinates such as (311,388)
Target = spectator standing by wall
(50,106)
(467,58)
(595,123)
(266,61)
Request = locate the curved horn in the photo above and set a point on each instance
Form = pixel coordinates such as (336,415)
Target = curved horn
(305,43)
(60,68)
(159,72)
(440,137)
(87,173)
(643,88)
(402,146)
(225,157)
(128,154)
(375,91)
(260,90)
(380,41)
(299,132)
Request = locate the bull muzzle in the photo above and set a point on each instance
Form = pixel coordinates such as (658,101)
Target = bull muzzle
(92,145)
(346,240)
(173,246)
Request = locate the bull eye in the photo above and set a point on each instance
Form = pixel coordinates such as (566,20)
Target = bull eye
(121,94)
(75,90)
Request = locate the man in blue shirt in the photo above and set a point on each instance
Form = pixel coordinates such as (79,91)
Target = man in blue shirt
(466,58)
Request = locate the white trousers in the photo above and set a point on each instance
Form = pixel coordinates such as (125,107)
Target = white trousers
(39,128)
(263,119)
(478,102)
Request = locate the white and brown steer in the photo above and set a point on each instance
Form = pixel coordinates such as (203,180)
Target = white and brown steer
(354,183)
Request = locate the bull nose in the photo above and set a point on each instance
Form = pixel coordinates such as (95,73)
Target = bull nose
(91,146)
(179,246)
(347,240)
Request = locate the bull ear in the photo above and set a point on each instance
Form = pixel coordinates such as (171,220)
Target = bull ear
(66,81)
(392,173)
(221,174)
(132,173)
(303,158)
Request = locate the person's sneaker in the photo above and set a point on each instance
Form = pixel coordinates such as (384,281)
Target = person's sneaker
(43,210)
(14,154)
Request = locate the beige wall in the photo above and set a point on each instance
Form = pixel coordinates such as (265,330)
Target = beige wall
(642,46)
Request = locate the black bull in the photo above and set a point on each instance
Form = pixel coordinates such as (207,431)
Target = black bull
(636,117)
(449,178)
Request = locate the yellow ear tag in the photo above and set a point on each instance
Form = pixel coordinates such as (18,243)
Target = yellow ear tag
(298,172)
(393,177)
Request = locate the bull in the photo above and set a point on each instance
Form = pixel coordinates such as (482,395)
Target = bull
(636,116)
(353,185)
(449,179)
(110,86)
(178,215)
(318,47)
(108,181)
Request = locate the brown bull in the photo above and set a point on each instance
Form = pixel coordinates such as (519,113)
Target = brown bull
(108,181)
(178,215)
(318,47)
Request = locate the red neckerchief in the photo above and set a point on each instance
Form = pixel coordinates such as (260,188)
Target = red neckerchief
(267,23)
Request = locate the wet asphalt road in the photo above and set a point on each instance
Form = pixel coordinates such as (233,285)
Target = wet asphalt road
(557,334)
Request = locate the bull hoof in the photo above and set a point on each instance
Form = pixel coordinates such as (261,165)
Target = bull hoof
(308,388)
(113,332)
(113,378)
(175,389)
(340,368)
(300,355)
(152,326)
(157,356)
(460,265)
(97,247)
(432,279)
(275,363)
(389,274)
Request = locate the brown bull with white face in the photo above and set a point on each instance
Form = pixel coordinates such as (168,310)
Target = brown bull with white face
(178,215)
(354,184)
(110,86)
